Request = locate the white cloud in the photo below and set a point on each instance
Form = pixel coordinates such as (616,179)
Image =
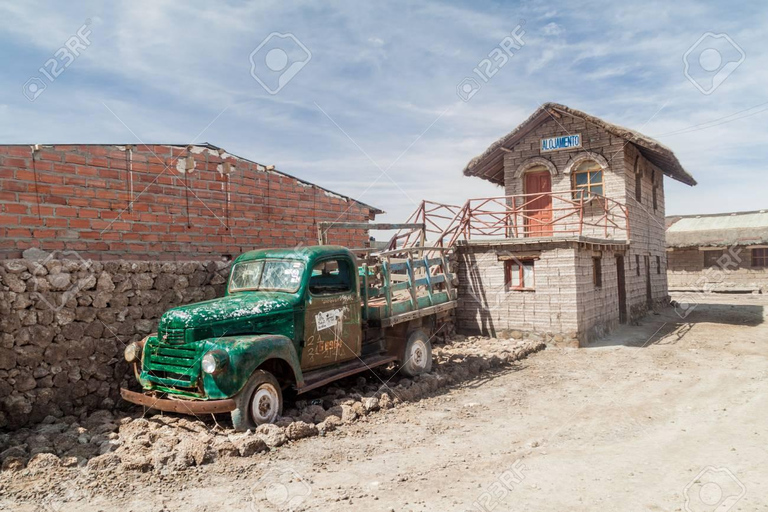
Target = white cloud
(384,73)
(552,29)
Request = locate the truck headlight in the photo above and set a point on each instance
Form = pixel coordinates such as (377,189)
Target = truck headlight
(214,361)
(132,352)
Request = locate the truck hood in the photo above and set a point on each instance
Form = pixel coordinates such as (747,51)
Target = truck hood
(231,308)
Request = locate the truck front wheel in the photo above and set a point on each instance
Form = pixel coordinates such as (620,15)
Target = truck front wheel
(418,354)
(260,401)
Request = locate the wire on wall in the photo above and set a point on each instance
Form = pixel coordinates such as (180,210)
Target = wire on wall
(129,175)
(35,149)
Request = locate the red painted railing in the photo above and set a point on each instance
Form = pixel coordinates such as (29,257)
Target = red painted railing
(550,215)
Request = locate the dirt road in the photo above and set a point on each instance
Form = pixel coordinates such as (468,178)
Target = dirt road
(632,423)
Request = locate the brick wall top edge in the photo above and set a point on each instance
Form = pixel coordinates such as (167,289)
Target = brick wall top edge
(168,152)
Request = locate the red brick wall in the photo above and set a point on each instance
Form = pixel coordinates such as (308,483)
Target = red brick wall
(77,197)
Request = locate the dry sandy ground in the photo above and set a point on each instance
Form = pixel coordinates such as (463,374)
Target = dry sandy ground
(653,414)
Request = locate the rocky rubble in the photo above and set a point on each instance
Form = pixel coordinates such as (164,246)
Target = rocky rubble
(65,322)
(104,441)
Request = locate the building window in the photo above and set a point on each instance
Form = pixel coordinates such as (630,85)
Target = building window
(639,187)
(760,257)
(587,179)
(711,258)
(597,271)
(518,275)
(658,264)
(655,199)
(637,263)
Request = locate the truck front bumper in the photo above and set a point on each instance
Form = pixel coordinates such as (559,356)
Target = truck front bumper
(179,405)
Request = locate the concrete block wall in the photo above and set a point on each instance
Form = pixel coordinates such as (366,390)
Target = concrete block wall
(487,306)
(648,232)
(150,202)
(64,325)
(686,271)
(598,307)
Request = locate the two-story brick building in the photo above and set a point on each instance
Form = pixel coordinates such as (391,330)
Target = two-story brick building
(576,244)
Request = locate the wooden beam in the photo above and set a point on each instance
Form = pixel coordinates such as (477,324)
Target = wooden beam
(368,225)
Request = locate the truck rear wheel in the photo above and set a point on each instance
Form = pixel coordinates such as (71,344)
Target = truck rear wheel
(418,354)
(260,402)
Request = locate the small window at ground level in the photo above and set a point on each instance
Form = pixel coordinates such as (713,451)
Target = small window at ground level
(518,274)
(637,263)
(597,271)
(587,179)
(711,258)
(760,257)
(658,264)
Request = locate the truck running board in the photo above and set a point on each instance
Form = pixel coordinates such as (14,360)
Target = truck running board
(324,376)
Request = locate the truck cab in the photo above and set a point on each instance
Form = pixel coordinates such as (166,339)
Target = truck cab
(289,318)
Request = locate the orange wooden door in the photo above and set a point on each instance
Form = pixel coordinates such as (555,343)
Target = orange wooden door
(539,210)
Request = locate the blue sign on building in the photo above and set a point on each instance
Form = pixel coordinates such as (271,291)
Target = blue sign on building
(564,142)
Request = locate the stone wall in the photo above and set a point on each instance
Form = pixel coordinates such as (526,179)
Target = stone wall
(65,323)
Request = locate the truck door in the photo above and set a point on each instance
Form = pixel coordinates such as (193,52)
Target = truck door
(332,331)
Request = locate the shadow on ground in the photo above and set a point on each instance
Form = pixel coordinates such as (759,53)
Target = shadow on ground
(670,325)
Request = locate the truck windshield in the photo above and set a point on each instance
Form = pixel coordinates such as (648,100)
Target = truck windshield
(267,275)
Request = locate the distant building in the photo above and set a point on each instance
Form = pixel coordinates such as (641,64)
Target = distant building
(724,252)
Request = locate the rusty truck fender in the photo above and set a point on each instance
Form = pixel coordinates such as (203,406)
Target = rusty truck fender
(245,354)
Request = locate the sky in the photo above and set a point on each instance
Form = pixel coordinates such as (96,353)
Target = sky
(367,98)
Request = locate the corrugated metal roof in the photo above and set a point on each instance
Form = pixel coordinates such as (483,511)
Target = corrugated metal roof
(737,220)
(724,229)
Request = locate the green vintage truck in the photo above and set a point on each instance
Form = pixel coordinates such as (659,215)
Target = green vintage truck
(292,319)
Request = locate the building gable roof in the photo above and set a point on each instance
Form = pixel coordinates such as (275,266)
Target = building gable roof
(490,164)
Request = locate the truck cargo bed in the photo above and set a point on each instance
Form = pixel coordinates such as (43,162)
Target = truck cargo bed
(400,290)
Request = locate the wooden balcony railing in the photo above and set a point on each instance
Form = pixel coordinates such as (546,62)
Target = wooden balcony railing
(541,215)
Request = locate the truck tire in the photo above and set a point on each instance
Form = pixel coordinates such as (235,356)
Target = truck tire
(260,402)
(418,354)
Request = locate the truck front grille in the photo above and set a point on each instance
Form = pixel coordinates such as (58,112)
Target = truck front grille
(171,336)
(173,366)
